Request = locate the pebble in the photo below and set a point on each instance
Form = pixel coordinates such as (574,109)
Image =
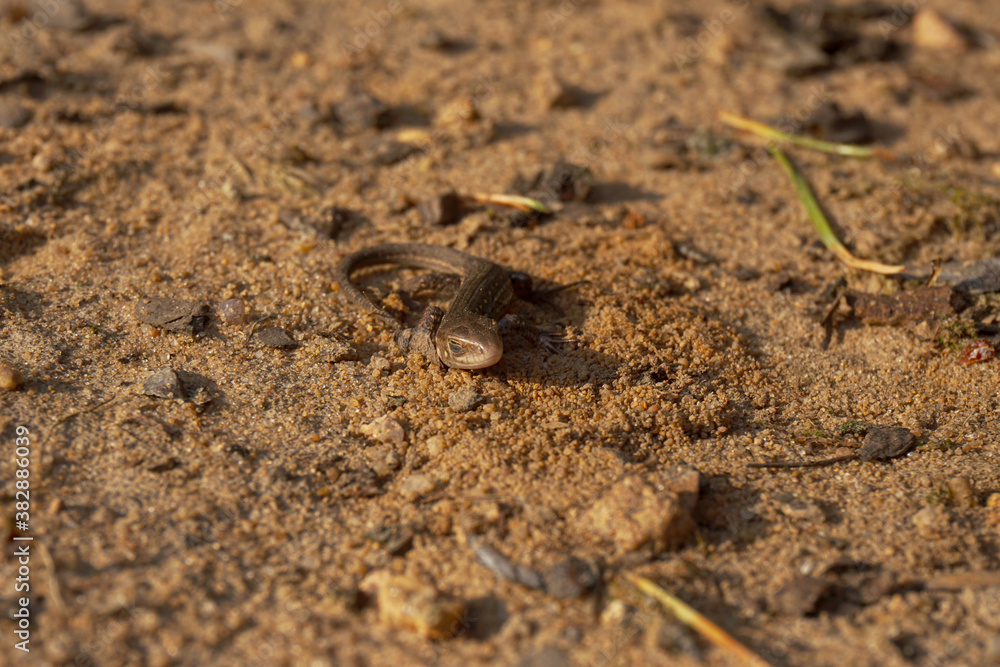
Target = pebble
(164,383)
(933,31)
(232,312)
(993,507)
(932,521)
(800,596)
(388,153)
(361,111)
(445,209)
(565,180)
(384,429)
(409,604)
(10,378)
(465,399)
(644,509)
(962,492)
(275,337)
(885,442)
(173,314)
(571,579)
(551,92)
(436,444)
(459,110)
(415,486)
(379,364)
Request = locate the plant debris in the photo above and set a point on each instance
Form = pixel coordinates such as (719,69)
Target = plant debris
(977,352)
(822,225)
(919,305)
(881,444)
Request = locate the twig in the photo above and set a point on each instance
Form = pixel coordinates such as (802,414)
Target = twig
(526,204)
(66,418)
(822,225)
(768,132)
(692,618)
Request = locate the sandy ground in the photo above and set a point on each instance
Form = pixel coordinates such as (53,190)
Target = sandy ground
(211,151)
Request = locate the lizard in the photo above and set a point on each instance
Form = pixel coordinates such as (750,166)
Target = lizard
(467,336)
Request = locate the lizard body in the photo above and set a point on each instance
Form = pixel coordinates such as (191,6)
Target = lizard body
(468,336)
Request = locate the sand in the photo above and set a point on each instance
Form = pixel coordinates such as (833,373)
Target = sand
(213,151)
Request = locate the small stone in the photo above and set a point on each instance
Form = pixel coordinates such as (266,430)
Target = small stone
(445,209)
(465,399)
(173,314)
(329,224)
(460,110)
(415,486)
(640,510)
(551,92)
(962,492)
(800,596)
(10,378)
(399,545)
(571,579)
(993,507)
(435,445)
(379,364)
(360,111)
(615,613)
(933,31)
(385,462)
(42,162)
(392,152)
(885,442)
(232,312)
(384,429)
(932,521)
(164,383)
(567,181)
(275,337)
(409,604)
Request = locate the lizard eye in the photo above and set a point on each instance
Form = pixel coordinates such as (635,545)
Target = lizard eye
(458,347)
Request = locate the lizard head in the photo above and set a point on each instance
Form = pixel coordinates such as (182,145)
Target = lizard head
(473,341)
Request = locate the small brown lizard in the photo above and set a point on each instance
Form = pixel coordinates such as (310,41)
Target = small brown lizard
(468,334)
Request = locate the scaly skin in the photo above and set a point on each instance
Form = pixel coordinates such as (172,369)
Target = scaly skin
(467,336)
